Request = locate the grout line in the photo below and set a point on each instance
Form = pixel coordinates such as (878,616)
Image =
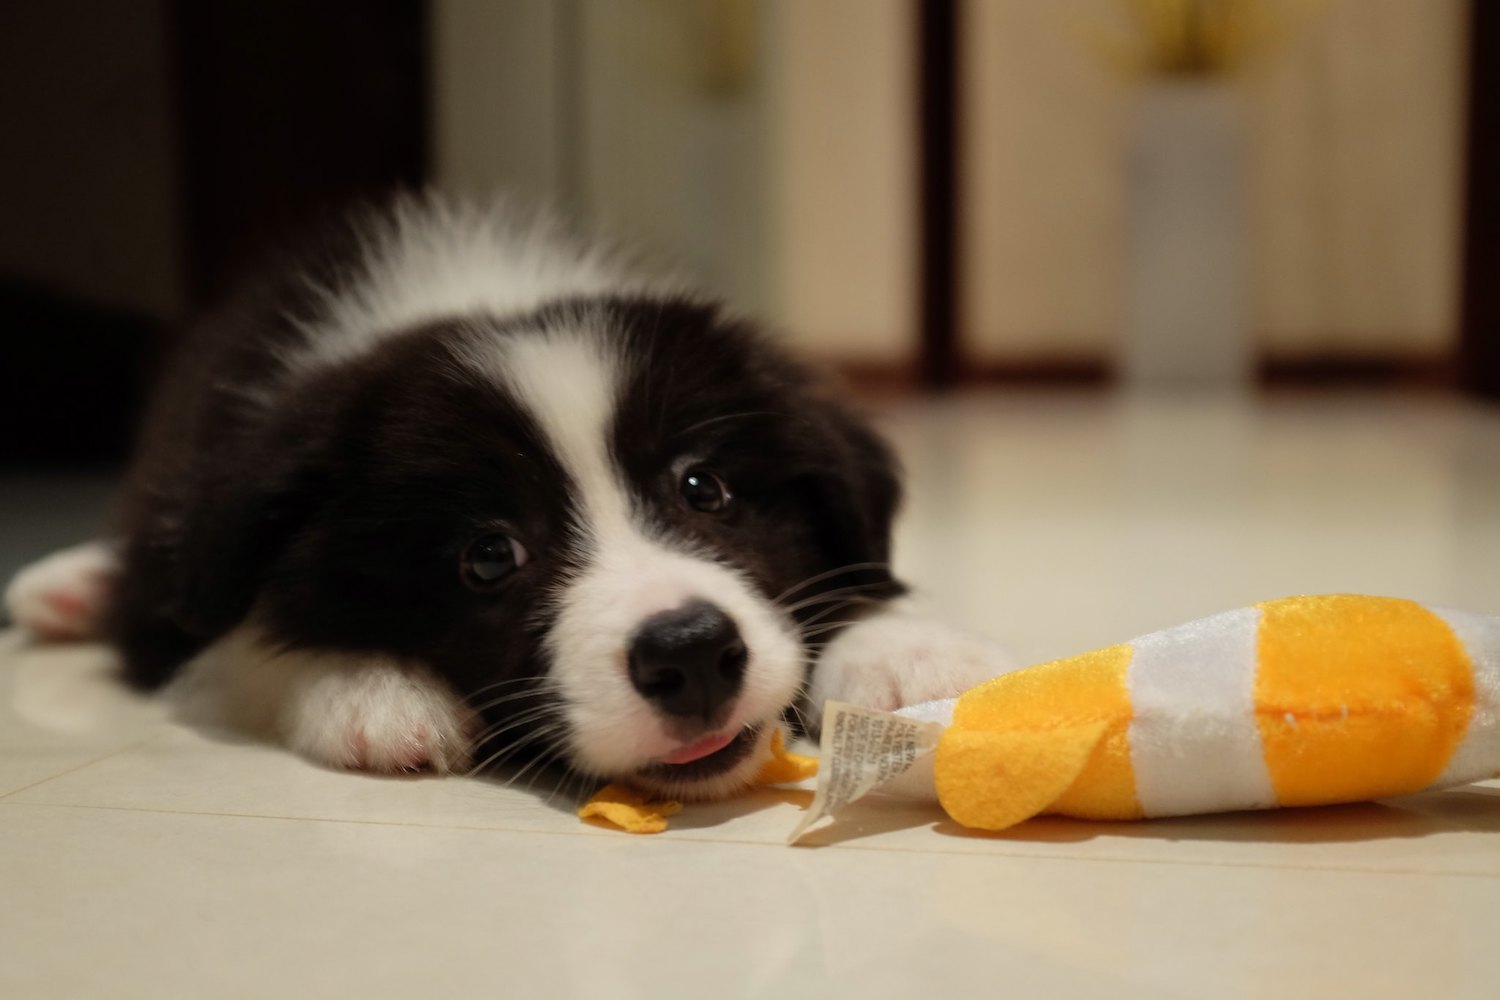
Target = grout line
(156,810)
(871,849)
(79,767)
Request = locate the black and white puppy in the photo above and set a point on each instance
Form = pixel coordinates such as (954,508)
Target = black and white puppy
(457,488)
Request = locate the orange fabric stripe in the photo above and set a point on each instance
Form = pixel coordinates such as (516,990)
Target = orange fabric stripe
(1077,694)
(1106,788)
(1358,697)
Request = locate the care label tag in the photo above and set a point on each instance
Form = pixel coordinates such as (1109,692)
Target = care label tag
(862,749)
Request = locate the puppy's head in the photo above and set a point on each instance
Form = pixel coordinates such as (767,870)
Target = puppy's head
(613,526)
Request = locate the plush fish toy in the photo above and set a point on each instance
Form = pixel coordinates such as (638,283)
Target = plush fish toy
(1295,702)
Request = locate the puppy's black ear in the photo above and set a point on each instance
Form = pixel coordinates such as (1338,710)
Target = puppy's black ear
(856,490)
(195,561)
(239,521)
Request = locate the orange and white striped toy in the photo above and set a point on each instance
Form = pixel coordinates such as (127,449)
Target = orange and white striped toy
(1302,701)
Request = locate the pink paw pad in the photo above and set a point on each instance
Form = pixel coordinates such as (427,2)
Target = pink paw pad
(64,596)
(406,752)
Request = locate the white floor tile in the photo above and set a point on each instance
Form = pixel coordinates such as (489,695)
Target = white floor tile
(139,857)
(233,906)
(61,709)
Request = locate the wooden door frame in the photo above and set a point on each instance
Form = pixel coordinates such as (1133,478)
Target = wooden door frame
(939,135)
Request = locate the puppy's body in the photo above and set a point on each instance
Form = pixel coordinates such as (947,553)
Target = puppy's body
(457,488)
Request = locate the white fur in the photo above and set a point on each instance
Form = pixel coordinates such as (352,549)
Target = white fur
(431,259)
(63,596)
(569,383)
(900,656)
(337,709)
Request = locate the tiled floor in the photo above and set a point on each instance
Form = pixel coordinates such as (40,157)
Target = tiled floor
(141,858)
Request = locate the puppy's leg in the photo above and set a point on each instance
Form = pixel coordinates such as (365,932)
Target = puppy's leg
(377,717)
(337,709)
(64,596)
(901,657)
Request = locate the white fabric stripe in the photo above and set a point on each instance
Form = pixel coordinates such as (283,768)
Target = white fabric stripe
(1194,742)
(1478,756)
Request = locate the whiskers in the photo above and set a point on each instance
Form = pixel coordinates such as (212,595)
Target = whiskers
(795,715)
(829,602)
(830,575)
(819,615)
(533,728)
(684,432)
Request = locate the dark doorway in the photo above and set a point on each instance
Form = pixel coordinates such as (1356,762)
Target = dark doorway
(154,148)
(1480,357)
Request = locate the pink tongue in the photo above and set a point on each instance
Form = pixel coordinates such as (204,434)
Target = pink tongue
(701,748)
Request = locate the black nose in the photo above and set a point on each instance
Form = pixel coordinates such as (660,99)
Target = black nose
(689,661)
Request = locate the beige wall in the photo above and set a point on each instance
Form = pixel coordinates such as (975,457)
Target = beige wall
(1357,124)
(643,117)
(1042,189)
(1355,130)
(669,138)
(767,144)
(772,145)
(495,101)
(843,119)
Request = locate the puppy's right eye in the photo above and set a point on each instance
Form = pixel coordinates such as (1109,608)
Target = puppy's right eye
(490,560)
(704,491)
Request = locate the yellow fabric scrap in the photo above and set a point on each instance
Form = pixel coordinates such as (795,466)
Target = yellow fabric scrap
(629,809)
(785,767)
(634,812)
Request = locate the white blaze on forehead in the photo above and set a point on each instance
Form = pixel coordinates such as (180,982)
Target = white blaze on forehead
(570,383)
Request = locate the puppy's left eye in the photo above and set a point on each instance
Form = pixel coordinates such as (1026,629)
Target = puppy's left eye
(489,559)
(705,491)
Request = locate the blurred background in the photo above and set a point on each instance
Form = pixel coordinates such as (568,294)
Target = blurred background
(1221,195)
(921,191)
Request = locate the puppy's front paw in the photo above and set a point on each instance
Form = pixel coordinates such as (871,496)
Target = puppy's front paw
(378,718)
(63,597)
(897,658)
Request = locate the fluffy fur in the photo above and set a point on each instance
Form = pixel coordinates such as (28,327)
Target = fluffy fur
(430,495)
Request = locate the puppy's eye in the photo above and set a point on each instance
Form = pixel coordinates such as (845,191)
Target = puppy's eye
(705,491)
(490,559)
